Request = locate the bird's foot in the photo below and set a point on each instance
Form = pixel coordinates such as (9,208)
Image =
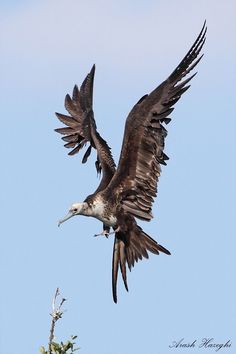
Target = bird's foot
(107,233)
(103,233)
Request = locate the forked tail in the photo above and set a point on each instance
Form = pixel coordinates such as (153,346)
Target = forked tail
(129,247)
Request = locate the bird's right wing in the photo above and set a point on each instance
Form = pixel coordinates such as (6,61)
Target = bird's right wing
(81,129)
(135,182)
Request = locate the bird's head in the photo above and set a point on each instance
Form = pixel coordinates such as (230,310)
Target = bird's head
(75,209)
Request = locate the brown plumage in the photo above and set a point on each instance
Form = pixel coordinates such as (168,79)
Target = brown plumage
(128,191)
(129,247)
(81,129)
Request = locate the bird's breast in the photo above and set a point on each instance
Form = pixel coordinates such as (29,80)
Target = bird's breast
(110,221)
(104,214)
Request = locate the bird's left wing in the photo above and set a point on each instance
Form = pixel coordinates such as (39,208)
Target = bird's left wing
(81,129)
(135,181)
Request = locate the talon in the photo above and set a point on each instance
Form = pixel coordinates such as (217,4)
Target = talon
(103,233)
(117,230)
(106,233)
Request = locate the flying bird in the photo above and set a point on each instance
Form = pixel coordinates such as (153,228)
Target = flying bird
(127,192)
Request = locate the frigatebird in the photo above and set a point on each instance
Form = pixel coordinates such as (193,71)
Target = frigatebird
(127,192)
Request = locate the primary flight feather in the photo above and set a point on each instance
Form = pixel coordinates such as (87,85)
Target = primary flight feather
(128,191)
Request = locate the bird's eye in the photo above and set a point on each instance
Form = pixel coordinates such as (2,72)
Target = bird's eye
(74,210)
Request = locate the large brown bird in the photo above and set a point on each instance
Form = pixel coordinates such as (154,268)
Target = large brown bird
(127,192)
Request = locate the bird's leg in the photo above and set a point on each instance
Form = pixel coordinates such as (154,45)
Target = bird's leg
(105,232)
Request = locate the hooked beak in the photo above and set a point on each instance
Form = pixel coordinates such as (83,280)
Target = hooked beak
(68,216)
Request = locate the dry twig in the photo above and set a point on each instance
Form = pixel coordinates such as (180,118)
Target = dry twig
(56,315)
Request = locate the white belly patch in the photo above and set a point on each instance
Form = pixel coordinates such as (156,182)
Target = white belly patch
(111,221)
(98,213)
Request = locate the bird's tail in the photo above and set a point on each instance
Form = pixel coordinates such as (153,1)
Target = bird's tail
(129,247)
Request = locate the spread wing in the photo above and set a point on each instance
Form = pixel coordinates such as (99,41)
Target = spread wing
(136,178)
(81,129)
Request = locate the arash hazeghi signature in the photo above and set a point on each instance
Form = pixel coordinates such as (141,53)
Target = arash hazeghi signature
(208,343)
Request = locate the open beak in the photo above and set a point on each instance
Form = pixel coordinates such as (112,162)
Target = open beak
(68,216)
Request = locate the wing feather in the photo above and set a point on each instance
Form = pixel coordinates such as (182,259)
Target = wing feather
(136,178)
(81,129)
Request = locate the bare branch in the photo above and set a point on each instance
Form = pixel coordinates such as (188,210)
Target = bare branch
(56,315)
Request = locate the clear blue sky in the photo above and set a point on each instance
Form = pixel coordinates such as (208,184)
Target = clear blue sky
(47,47)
